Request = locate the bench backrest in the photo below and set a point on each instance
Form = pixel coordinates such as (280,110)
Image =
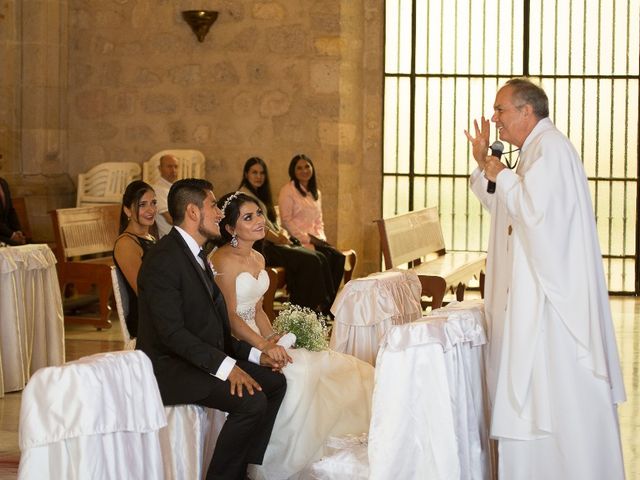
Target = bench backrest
(105,183)
(85,230)
(190,165)
(411,236)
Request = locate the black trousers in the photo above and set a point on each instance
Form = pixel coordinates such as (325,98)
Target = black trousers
(245,435)
(309,277)
(335,261)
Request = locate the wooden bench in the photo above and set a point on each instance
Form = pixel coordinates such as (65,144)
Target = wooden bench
(278,281)
(415,238)
(84,244)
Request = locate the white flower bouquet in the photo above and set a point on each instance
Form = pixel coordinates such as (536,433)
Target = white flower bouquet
(309,328)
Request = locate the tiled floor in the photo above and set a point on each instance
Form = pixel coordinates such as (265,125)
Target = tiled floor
(81,341)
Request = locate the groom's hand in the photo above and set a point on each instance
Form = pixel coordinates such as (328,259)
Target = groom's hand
(267,361)
(238,378)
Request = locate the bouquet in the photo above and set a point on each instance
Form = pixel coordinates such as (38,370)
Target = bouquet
(309,329)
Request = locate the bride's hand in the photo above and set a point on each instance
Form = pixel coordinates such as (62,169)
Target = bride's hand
(278,353)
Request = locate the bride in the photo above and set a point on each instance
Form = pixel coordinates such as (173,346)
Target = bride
(328,393)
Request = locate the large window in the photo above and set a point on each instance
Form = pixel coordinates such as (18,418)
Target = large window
(444,62)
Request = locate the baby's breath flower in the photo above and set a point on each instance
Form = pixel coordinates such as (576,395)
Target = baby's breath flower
(310,331)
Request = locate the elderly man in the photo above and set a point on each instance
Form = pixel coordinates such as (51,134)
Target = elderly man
(184,329)
(553,370)
(168,174)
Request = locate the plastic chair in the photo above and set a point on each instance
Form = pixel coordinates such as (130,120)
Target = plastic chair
(122,306)
(191,164)
(105,183)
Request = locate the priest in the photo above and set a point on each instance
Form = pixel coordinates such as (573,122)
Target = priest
(552,369)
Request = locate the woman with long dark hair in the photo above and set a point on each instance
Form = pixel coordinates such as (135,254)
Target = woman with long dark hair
(137,222)
(300,203)
(309,278)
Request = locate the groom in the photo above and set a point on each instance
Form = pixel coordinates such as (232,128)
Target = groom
(184,329)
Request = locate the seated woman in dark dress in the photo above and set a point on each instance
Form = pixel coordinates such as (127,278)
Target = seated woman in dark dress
(309,278)
(137,222)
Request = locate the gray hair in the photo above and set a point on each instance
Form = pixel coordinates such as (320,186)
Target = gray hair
(525,91)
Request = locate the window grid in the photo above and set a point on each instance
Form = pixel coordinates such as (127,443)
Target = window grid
(458,77)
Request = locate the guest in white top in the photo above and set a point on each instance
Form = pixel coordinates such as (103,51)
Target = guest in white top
(168,174)
(300,204)
(553,371)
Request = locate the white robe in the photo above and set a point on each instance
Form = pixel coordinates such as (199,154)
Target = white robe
(553,371)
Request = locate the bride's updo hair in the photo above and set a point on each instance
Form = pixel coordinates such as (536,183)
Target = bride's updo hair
(230,205)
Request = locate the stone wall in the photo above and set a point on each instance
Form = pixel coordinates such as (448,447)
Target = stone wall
(33,121)
(272,79)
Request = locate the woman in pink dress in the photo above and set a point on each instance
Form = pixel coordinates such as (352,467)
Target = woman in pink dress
(300,204)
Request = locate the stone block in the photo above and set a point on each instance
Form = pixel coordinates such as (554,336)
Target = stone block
(147,78)
(325,77)
(203,102)
(244,41)
(323,105)
(35,29)
(328,46)
(91,104)
(244,104)
(185,74)
(159,103)
(138,133)
(110,73)
(268,11)
(96,131)
(339,134)
(108,17)
(224,73)
(177,131)
(257,72)
(34,64)
(9,30)
(274,103)
(80,75)
(202,134)
(232,9)
(132,48)
(11,55)
(34,107)
(329,23)
(93,154)
(289,39)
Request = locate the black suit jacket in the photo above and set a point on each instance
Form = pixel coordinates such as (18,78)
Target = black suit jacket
(183,325)
(9,222)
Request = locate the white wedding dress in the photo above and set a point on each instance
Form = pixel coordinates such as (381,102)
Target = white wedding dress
(328,394)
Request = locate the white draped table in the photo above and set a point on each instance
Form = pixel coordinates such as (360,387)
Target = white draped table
(429,415)
(31,319)
(366,308)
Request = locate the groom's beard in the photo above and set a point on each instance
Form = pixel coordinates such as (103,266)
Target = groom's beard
(208,233)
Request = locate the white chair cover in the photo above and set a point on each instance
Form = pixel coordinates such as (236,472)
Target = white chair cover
(189,440)
(95,418)
(428,416)
(366,308)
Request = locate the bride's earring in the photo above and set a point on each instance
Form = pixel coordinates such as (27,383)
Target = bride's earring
(234,241)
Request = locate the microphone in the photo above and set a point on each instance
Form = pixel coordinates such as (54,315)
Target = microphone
(497,148)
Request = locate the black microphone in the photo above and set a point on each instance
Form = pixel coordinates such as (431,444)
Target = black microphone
(497,148)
